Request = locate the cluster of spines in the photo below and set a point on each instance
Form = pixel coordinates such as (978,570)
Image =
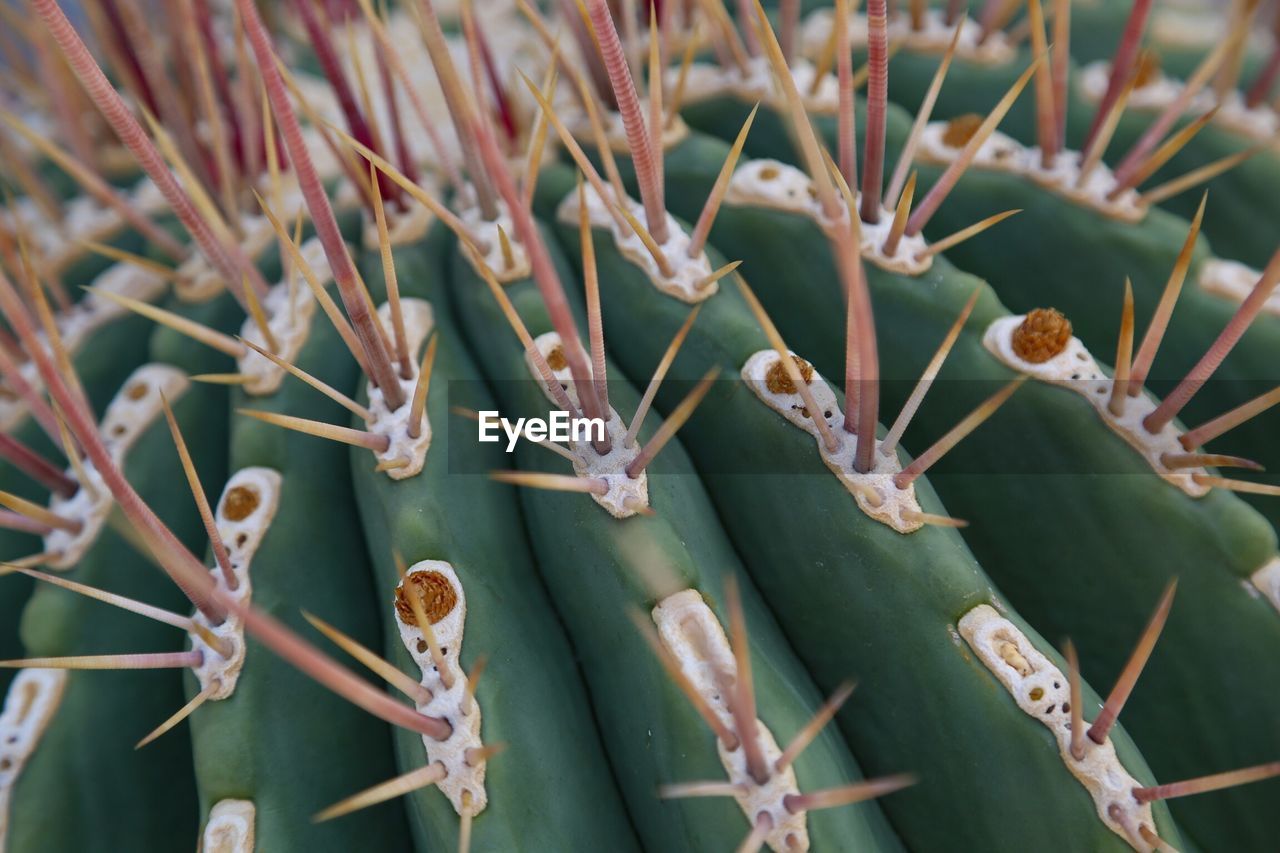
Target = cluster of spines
(383,360)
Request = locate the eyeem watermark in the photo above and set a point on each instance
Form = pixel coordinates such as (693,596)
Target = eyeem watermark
(560,428)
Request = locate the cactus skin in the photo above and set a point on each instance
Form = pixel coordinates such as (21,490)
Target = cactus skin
(130,340)
(770,136)
(88,265)
(652,733)
(903,317)
(127,340)
(17,588)
(551,788)
(1241,199)
(17,592)
(85,787)
(1094,535)
(1096,28)
(1237,222)
(272,741)
(221,313)
(1144,251)
(64,186)
(1212,544)
(234,739)
(960,717)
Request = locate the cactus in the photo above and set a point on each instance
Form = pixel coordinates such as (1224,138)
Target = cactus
(1221,130)
(1144,242)
(269,274)
(91,727)
(679,562)
(758,235)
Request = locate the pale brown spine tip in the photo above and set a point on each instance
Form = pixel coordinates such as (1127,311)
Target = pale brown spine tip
(777,380)
(1043,334)
(960,130)
(1148,69)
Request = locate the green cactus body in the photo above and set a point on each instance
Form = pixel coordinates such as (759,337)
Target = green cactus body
(1179,34)
(598,565)
(975,80)
(76,265)
(91,327)
(221,313)
(94,326)
(121,172)
(1082,470)
(84,786)
(198,281)
(873,579)
(721,107)
(523,712)
(15,544)
(1240,197)
(17,590)
(312,559)
(1057,438)
(712,116)
(99,327)
(62,185)
(1144,250)
(551,787)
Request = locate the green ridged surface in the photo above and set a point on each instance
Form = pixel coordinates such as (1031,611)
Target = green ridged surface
(1052,496)
(1029,271)
(652,733)
(551,788)
(85,787)
(248,746)
(1241,199)
(1046,460)
(888,603)
(126,339)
